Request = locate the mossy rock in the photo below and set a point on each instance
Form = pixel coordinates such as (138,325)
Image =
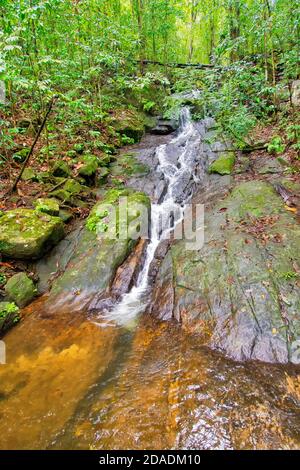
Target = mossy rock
(253,199)
(128,165)
(9,316)
(105,160)
(62,195)
(224,164)
(89,168)
(96,255)
(47,205)
(44,176)
(29,175)
(20,289)
(65,215)
(61,168)
(103,175)
(130,123)
(240,291)
(74,187)
(28,234)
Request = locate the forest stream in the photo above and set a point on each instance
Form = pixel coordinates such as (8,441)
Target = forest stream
(113,375)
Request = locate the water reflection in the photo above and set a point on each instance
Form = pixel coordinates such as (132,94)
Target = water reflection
(71,384)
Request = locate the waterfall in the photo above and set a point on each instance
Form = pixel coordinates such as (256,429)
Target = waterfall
(177,164)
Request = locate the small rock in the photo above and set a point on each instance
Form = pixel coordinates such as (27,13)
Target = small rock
(20,289)
(9,316)
(61,168)
(47,205)
(224,164)
(29,175)
(65,216)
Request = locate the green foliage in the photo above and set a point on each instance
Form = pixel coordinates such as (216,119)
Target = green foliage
(276,145)
(2,279)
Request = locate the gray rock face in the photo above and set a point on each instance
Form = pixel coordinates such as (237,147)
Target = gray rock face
(90,259)
(241,291)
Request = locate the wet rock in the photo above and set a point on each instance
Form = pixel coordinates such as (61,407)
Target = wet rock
(47,205)
(164,127)
(20,289)
(28,234)
(9,316)
(97,254)
(240,293)
(163,297)
(224,164)
(127,274)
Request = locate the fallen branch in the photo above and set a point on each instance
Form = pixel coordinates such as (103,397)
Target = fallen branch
(174,65)
(14,186)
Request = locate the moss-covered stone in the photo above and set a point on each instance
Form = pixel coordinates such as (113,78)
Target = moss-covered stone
(89,168)
(240,292)
(9,316)
(47,205)
(97,254)
(29,175)
(128,165)
(61,168)
(103,175)
(65,215)
(20,289)
(224,164)
(28,234)
(73,187)
(130,123)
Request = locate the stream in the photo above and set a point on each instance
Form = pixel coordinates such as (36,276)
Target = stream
(118,379)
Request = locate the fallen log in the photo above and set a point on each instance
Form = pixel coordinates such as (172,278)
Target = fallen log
(175,65)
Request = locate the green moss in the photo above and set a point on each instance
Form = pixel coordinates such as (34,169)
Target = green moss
(73,187)
(224,164)
(253,198)
(29,175)
(130,123)
(9,316)
(99,217)
(26,233)
(47,205)
(128,165)
(61,168)
(20,289)
(89,167)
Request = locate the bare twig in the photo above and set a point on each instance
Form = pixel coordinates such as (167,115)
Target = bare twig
(14,186)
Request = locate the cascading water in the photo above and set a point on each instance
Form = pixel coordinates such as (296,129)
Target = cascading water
(178,164)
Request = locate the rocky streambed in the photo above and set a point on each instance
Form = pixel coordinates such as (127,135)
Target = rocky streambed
(146,344)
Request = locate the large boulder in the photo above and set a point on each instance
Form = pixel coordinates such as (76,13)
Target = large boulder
(97,254)
(130,123)
(241,291)
(28,234)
